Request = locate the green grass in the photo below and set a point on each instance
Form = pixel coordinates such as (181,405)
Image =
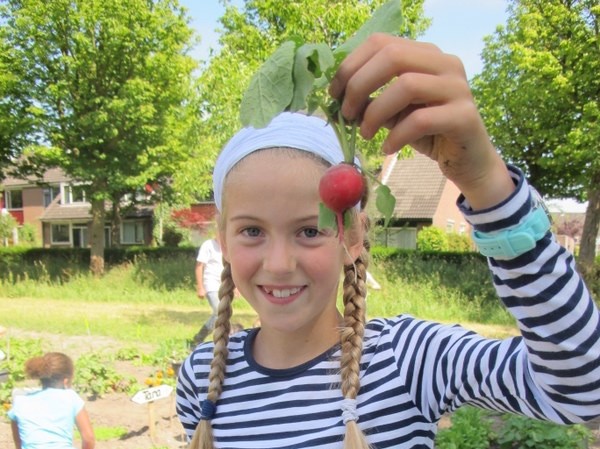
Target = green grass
(151,301)
(125,321)
(105,433)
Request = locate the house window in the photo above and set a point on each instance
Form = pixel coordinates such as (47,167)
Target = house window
(60,233)
(462,229)
(49,195)
(132,232)
(14,199)
(449,226)
(73,194)
(80,236)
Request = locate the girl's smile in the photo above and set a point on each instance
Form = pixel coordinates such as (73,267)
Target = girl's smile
(282,295)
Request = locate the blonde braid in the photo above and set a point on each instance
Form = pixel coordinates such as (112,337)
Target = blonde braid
(203,436)
(351,337)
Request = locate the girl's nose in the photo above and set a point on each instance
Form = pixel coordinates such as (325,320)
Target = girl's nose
(279,257)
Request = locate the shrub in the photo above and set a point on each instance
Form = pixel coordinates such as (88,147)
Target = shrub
(432,239)
(459,242)
(27,235)
(7,224)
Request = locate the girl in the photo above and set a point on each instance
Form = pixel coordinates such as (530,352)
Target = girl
(45,418)
(311,377)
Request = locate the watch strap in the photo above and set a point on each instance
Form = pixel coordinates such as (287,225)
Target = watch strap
(512,242)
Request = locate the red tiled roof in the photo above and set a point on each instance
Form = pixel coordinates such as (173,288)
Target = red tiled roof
(417,183)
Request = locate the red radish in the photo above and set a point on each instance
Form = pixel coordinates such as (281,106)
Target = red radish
(341,187)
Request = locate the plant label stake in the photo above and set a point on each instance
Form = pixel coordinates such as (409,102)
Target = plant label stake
(149,396)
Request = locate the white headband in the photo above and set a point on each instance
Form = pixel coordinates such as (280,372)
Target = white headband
(288,130)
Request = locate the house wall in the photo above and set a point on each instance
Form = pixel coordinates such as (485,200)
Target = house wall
(46,235)
(33,207)
(447,210)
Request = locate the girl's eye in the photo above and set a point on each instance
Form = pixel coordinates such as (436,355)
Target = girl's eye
(310,232)
(251,232)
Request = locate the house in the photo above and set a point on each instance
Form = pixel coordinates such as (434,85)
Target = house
(568,217)
(424,197)
(57,209)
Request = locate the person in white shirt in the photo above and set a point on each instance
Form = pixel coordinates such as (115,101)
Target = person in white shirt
(209,265)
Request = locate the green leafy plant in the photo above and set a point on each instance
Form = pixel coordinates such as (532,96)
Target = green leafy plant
(96,377)
(18,351)
(519,432)
(471,429)
(432,239)
(295,78)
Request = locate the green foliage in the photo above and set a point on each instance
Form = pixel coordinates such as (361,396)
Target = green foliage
(61,265)
(94,375)
(27,235)
(169,352)
(249,35)
(431,238)
(172,236)
(296,77)
(105,433)
(459,243)
(471,429)
(18,351)
(519,432)
(109,83)
(538,95)
(7,224)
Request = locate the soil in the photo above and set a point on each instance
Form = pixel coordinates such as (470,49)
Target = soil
(149,426)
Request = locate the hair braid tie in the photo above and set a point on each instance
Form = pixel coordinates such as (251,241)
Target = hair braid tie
(349,412)
(208,410)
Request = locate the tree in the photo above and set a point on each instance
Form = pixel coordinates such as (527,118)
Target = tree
(8,226)
(106,86)
(248,37)
(539,93)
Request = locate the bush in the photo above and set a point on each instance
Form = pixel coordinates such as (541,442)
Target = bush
(27,235)
(59,265)
(7,224)
(459,242)
(432,239)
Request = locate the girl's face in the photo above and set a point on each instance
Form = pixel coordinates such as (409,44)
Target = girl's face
(286,268)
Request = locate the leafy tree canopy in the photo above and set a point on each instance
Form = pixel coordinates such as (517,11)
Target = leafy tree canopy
(539,96)
(100,89)
(248,37)
(97,88)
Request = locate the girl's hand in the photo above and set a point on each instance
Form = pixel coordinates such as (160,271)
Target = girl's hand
(424,99)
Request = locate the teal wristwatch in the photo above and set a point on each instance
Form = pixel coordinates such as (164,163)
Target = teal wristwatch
(514,241)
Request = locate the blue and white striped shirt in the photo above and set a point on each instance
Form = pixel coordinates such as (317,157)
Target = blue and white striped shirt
(413,371)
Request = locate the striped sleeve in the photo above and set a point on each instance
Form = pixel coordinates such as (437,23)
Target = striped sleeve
(551,372)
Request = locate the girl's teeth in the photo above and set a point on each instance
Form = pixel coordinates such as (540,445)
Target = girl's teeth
(285,293)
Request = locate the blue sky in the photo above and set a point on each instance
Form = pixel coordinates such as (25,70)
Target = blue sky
(458,26)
